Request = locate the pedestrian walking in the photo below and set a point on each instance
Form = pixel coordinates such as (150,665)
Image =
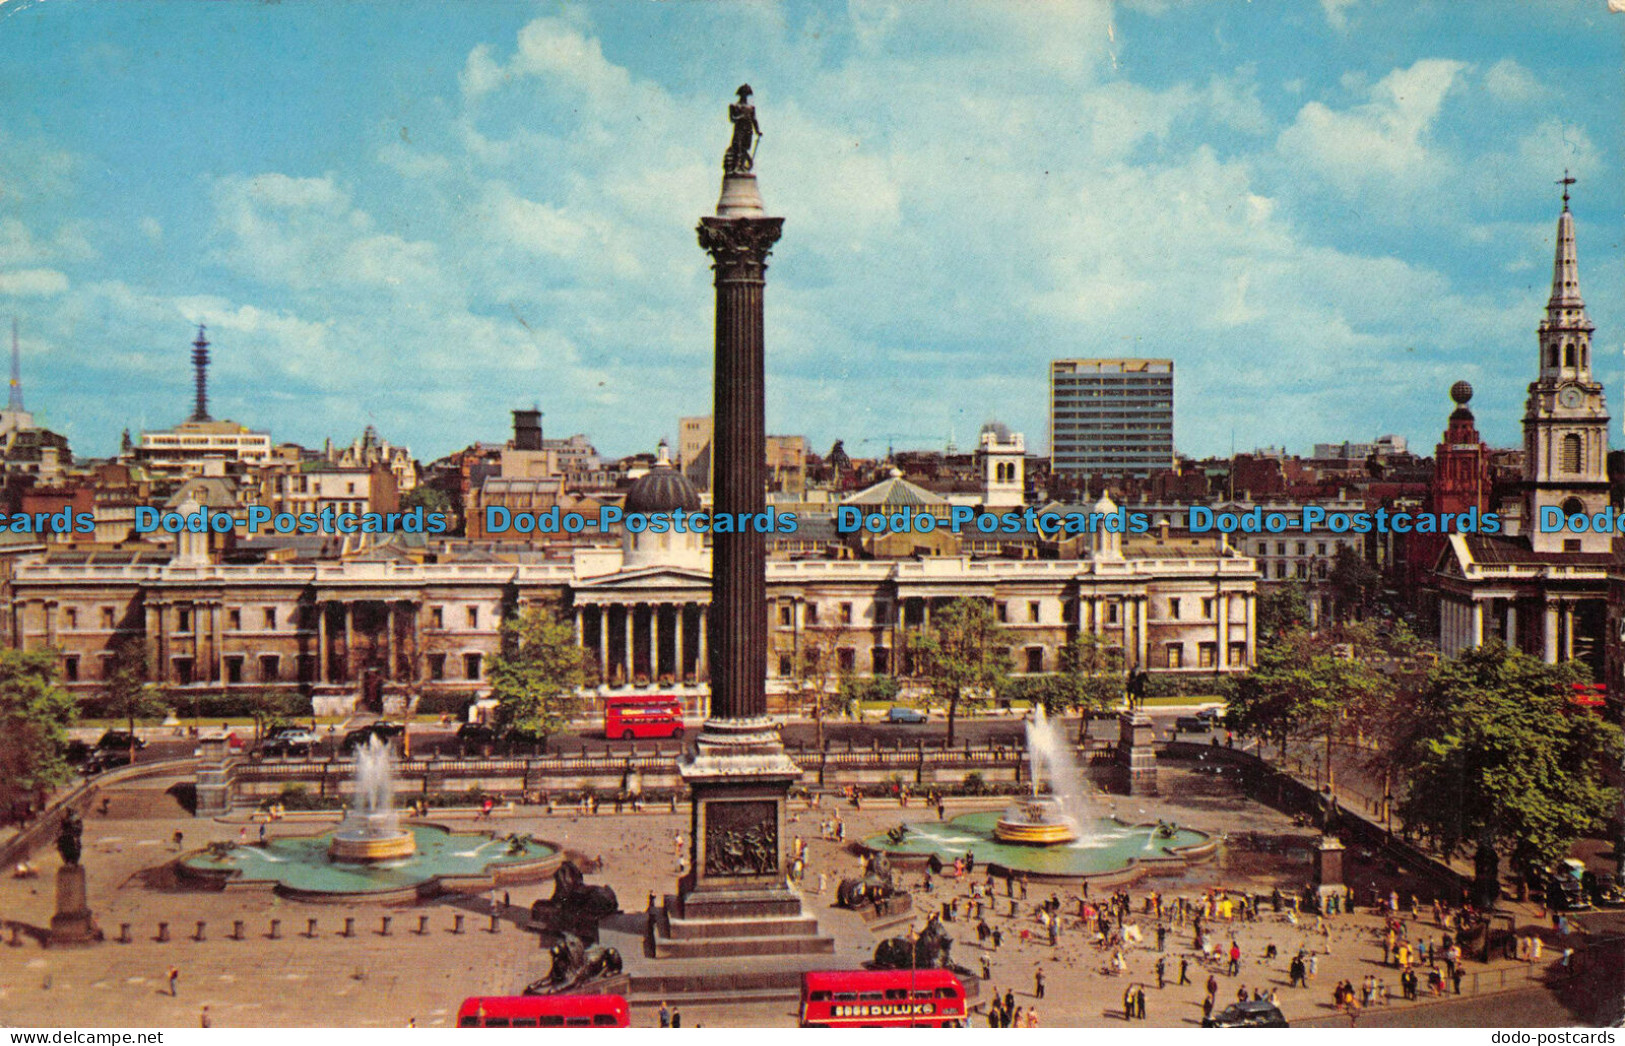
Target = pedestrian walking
(987,968)
(1128,1003)
(1038,983)
(1139,1004)
(665,1015)
(1184,969)
(203,1019)
(1162,972)
(676,1017)
(174,980)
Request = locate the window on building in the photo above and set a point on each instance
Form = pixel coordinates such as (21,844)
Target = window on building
(1001,613)
(234,669)
(307,668)
(1280,569)
(1280,548)
(1176,655)
(1320,548)
(106,665)
(70,618)
(1571,544)
(786,666)
(437,666)
(471,666)
(1113,609)
(1320,570)
(1207,655)
(270,668)
(109,618)
(846,613)
(1035,659)
(1207,608)
(883,613)
(70,668)
(437,617)
(1568,354)
(473,621)
(1571,453)
(1033,612)
(1303,547)
(810,613)
(1173,609)
(1302,570)
(786,615)
(879,660)
(183,620)
(234,619)
(270,619)
(1238,654)
(846,659)
(183,670)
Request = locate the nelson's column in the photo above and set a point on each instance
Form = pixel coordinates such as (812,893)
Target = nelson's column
(734,900)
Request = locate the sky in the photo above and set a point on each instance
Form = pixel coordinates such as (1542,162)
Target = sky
(422,215)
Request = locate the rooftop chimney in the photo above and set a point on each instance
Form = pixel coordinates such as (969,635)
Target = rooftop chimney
(527,429)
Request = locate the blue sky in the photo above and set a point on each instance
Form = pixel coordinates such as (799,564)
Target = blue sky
(422,215)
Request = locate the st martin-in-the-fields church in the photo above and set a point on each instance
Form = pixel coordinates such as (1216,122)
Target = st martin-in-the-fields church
(1544,591)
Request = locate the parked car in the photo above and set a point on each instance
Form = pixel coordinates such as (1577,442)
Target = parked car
(1249,1014)
(105,759)
(474,734)
(1213,716)
(77,751)
(910,716)
(1190,724)
(290,742)
(120,739)
(359,737)
(1605,888)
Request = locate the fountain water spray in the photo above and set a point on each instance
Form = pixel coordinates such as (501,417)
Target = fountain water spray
(371,829)
(1060,817)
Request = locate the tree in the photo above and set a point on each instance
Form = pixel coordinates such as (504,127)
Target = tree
(1282,608)
(430,500)
(961,654)
(537,676)
(1498,758)
(35,715)
(274,706)
(1355,583)
(1310,686)
(1091,672)
(125,689)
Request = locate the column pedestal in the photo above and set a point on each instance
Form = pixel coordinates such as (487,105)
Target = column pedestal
(1136,769)
(72,923)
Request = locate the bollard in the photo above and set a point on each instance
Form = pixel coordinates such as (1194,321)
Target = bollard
(349,926)
(276,929)
(199,935)
(124,933)
(423,925)
(457,923)
(383,926)
(310,927)
(495,922)
(163,932)
(236,929)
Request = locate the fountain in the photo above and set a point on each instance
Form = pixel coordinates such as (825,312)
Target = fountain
(371,830)
(1047,820)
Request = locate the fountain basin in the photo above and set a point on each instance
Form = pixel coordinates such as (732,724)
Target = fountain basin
(306,867)
(372,848)
(1108,852)
(1035,822)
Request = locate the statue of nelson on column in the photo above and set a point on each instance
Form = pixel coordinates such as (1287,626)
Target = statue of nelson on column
(741,154)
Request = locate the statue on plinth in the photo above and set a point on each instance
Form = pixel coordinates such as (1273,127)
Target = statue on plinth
(741,154)
(70,839)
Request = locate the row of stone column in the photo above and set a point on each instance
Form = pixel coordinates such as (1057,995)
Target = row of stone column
(676,614)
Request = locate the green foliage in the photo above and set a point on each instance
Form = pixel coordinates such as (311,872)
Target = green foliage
(443,702)
(1355,583)
(975,784)
(856,689)
(1091,674)
(125,692)
(430,499)
(536,677)
(1282,608)
(1310,685)
(35,715)
(1494,753)
(961,654)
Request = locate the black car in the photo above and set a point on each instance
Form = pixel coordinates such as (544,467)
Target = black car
(1250,1014)
(1190,724)
(475,735)
(77,751)
(359,737)
(525,739)
(105,759)
(120,739)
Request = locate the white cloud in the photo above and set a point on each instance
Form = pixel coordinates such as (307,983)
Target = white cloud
(1507,81)
(1337,13)
(32,283)
(152,228)
(1379,142)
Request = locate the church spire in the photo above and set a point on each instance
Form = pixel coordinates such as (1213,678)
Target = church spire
(1565,332)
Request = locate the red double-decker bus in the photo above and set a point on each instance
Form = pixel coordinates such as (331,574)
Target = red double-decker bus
(544,1011)
(647,715)
(882,999)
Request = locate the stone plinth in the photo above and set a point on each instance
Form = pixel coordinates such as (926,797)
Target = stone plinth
(734,901)
(1329,869)
(1136,770)
(72,923)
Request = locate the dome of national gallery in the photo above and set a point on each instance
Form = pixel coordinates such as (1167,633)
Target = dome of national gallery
(662,489)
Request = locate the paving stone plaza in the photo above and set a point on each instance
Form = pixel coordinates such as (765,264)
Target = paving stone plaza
(373,980)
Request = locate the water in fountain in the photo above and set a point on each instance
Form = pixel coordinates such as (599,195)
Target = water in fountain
(371,828)
(1049,754)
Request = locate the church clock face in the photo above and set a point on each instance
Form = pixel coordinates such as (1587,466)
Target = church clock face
(1570,397)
